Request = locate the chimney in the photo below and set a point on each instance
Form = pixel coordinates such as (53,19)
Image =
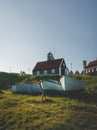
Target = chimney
(84,64)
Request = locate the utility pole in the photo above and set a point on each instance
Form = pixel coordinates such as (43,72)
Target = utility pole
(71,66)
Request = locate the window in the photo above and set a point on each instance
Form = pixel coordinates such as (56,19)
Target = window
(92,70)
(38,72)
(86,71)
(89,71)
(53,71)
(45,71)
(96,69)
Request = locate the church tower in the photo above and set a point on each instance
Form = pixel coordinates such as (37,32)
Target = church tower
(50,57)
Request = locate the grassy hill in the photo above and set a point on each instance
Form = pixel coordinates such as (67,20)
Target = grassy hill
(9,79)
(26,112)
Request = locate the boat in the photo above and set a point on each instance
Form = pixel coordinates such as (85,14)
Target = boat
(26,89)
(67,84)
(51,87)
(71,84)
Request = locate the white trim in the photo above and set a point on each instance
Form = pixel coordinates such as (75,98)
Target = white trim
(62,62)
(60,66)
(60,70)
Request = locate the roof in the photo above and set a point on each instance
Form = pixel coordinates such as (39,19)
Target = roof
(71,72)
(92,64)
(77,72)
(46,65)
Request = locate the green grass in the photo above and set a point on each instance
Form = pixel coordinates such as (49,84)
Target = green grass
(26,112)
(22,112)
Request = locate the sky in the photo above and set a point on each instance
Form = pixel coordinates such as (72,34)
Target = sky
(29,29)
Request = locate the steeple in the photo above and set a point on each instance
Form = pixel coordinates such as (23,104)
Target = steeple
(50,57)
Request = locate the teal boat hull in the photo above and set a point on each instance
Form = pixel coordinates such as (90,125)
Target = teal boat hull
(26,89)
(51,87)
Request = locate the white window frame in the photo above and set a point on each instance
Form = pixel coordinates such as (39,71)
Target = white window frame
(93,70)
(53,71)
(45,71)
(38,72)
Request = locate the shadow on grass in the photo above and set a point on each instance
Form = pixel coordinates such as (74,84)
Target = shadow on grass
(82,96)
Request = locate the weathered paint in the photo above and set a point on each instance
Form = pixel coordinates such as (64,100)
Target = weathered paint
(70,84)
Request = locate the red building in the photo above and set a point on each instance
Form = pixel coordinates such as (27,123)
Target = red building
(90,68)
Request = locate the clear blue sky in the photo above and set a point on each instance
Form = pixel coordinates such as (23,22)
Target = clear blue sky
(29,29)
